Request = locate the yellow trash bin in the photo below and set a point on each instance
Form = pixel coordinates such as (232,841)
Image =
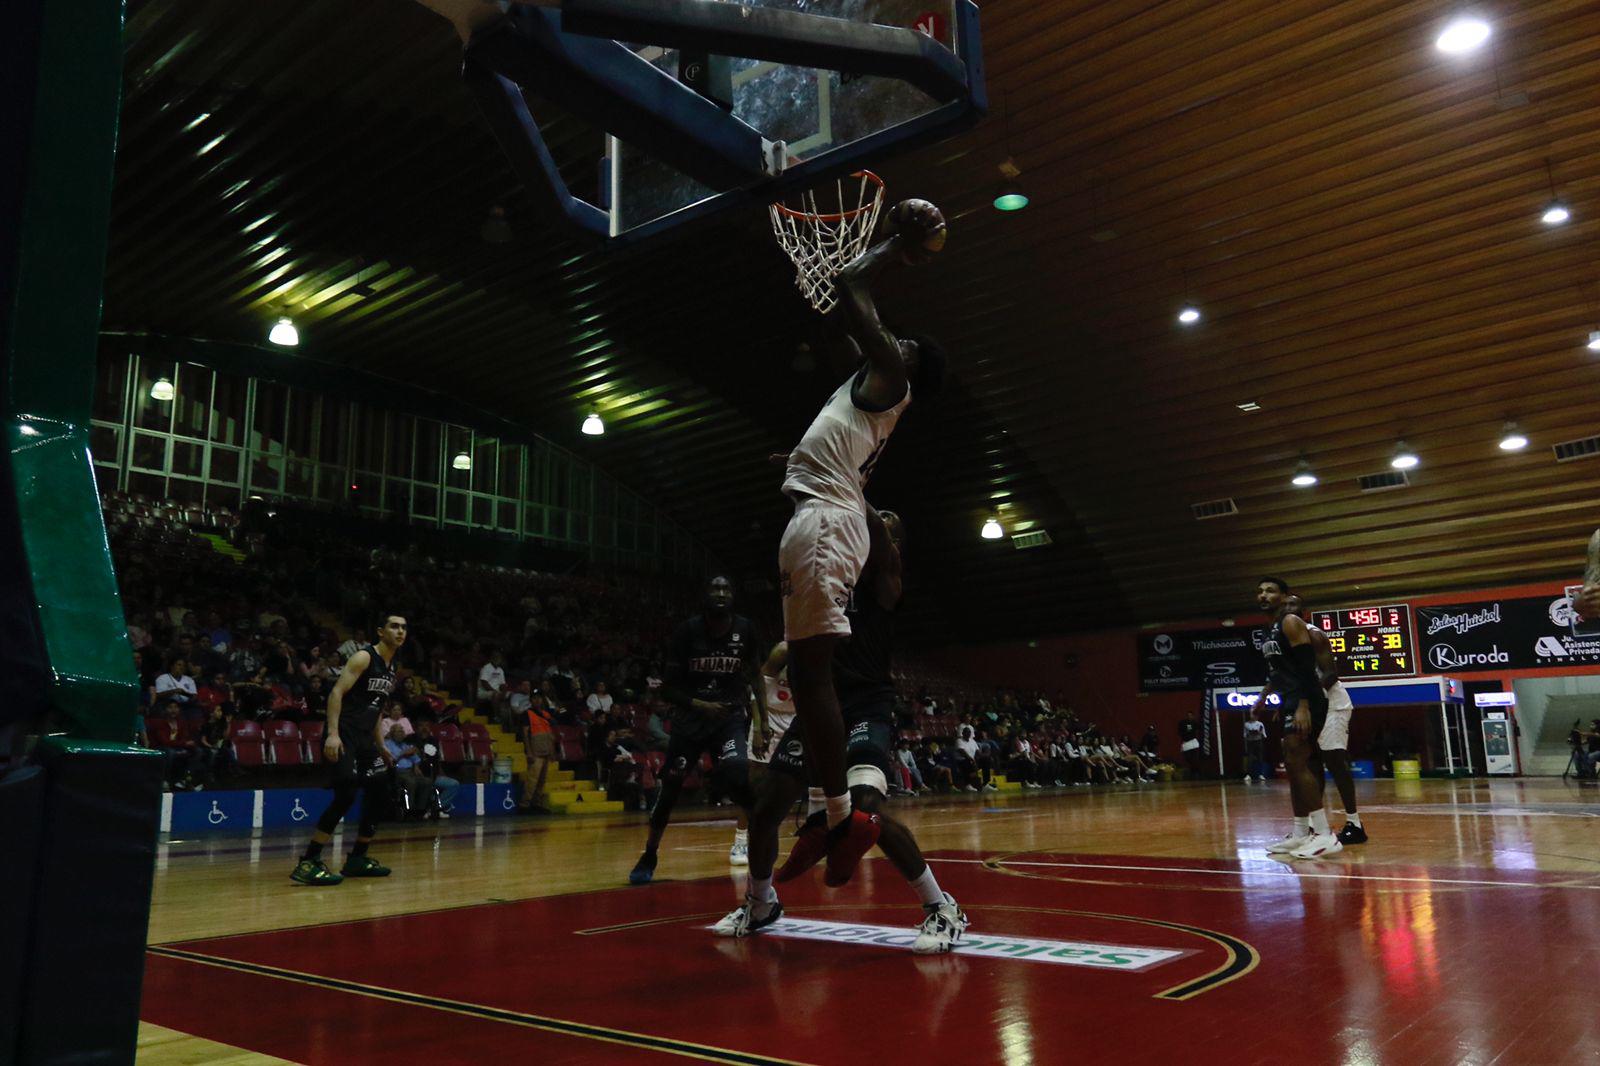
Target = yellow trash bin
(1407,770)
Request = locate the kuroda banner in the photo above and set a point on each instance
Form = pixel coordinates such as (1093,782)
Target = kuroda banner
(1512,634)
(1192,660)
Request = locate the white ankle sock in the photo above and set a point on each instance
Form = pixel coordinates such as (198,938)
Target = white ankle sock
(1319,822)
(761,889)
(926,888)
(838,808)
(1353,818)
(814,801)
(741,837)
(1302,825)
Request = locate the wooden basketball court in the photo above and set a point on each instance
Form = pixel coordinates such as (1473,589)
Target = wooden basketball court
(1134,925)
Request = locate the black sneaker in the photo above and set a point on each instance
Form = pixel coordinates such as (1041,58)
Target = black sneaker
(1351,833)
(644,870)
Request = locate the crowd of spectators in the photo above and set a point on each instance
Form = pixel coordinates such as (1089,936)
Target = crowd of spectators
(265,638)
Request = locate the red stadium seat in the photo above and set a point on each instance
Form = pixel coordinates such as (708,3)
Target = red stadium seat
(249,747)
(480,748)
(283,738)
(569,743)
(312,734)
(452,747)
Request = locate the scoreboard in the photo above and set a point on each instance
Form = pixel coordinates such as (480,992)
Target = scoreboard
(1369,641)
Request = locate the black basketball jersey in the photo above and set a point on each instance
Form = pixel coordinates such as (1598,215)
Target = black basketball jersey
(1288,678)
(358,718)
(863,665)
(715,668)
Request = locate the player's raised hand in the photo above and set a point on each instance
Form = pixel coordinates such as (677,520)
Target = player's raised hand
(919,227)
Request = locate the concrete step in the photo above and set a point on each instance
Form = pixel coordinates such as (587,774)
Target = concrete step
(568,797)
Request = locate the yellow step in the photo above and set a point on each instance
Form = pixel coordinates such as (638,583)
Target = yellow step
(602,807)
(558,799)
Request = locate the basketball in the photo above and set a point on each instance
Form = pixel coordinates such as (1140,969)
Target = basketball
(921,221)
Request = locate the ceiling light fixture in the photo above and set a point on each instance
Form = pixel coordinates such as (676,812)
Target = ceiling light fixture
(1189,315)
(1404,458)
(592,426)
(1594,340)
(462,461)
(1010,197)
(1303,478)
(1555,212)
(1462,35)
(1512,439)
(161,390)
(992,530)
(284,333)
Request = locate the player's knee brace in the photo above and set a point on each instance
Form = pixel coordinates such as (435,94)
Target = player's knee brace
(867,776)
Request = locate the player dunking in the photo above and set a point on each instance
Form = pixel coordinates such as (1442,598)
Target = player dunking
(1292,667)
(862,673)
(1334,740)
(709,674)
(354,746)
(826,542)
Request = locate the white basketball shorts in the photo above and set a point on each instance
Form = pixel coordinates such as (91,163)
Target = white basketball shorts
(1335,735)
(819,560)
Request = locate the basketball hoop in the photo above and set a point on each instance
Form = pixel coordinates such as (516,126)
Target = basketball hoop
(822,242)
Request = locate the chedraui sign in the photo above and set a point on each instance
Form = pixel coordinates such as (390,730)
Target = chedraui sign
(1026,949)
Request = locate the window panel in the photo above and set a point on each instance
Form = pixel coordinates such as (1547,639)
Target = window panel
(266,473)
(302,423)
(148,412)
(533,520)
(369,440)
(300,479)
(425,501)
(111,387)
(482,511)
(333,424)
(330,484)
(402,428)
(185,492)
(511,471)
(507,518)
(105,479)
(149,452)
(188,458)
(484,451)
(427,455)
(227,409)
(150,486)
(224,465)
(455,507)
(271,406)
(105,444)
(222,496)
(192,404)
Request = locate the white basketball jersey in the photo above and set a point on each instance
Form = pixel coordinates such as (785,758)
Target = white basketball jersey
(835,457)
(780,703)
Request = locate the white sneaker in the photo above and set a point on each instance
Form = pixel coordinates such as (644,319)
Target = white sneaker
(1318,846)
(991,787)
(1247,779)
(739,855)
(749,917)
(942,927)
(1289,843)
(970,788)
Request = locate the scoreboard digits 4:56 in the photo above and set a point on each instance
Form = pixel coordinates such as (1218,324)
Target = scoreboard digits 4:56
(1369,641)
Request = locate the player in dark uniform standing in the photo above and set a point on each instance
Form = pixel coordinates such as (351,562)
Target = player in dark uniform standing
(1292,676)
(711,672)
(354,746)
(863,679)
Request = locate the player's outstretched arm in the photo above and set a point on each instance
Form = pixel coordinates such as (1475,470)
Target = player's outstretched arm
(886,382)
(331,744)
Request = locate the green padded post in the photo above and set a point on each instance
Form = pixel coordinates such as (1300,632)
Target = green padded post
(58,103)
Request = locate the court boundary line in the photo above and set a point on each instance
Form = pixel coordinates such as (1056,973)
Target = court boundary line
(584,1030)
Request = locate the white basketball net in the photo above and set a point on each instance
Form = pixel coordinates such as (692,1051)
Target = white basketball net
(822,241)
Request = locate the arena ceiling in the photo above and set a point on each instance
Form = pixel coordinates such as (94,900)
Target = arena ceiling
(1356,215)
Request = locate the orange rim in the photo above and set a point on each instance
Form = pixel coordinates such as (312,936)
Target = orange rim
(836,216)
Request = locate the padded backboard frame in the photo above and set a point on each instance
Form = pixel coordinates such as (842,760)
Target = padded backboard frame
(675,156)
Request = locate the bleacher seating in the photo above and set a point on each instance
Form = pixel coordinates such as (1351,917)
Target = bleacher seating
(249,743)
(283,743)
